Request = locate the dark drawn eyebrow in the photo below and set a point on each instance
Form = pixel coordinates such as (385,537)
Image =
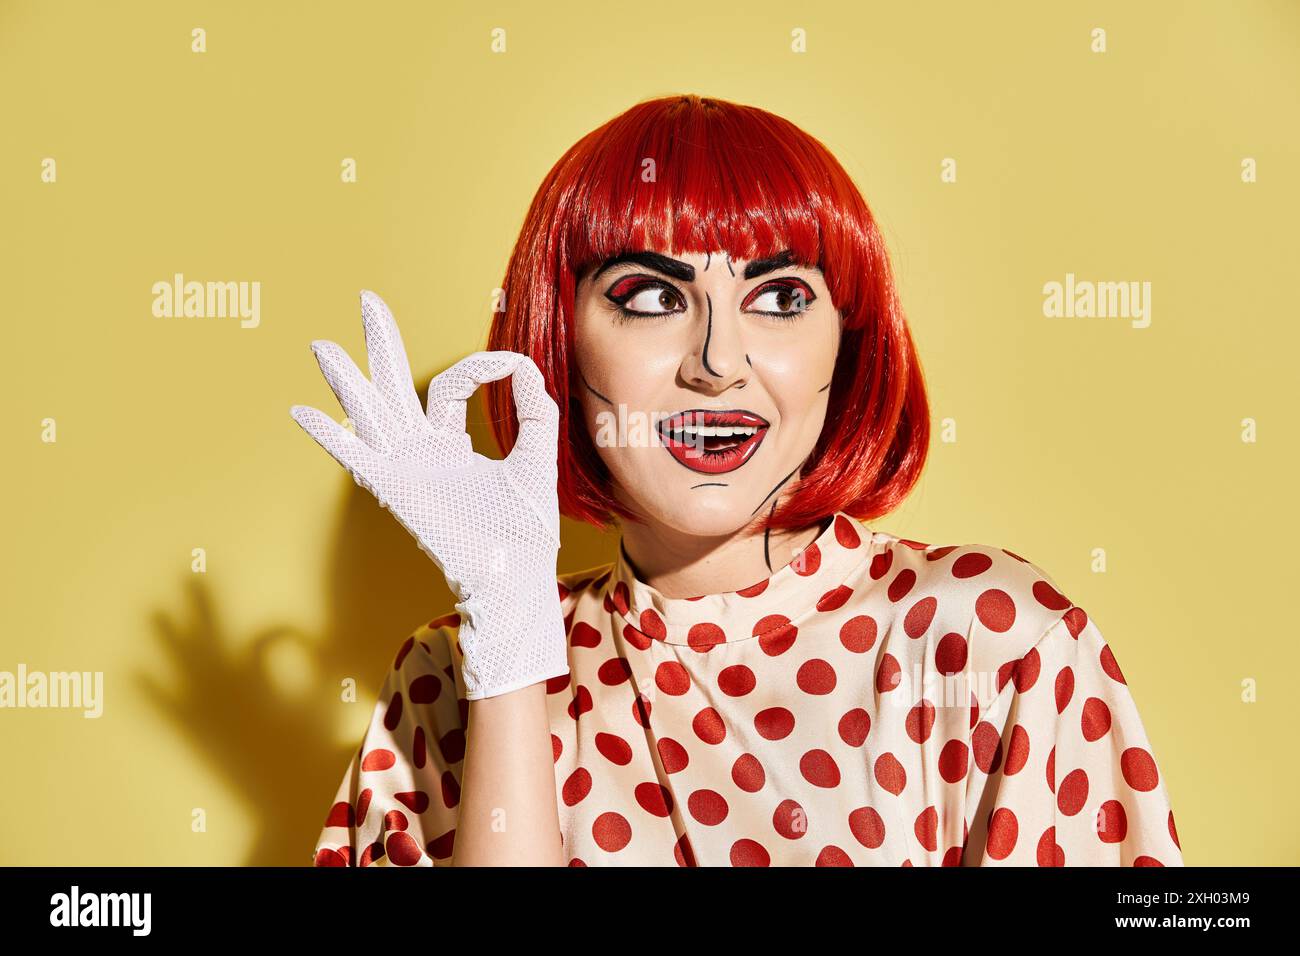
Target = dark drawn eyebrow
(651,260)
(762,266)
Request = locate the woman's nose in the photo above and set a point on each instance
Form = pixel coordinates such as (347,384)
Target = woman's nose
(716,359)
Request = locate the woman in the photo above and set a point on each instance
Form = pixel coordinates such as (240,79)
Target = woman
(701,304)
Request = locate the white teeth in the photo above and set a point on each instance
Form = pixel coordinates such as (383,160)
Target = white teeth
(720,431)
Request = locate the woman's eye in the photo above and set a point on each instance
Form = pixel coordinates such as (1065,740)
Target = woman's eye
(779,300)
(647,299)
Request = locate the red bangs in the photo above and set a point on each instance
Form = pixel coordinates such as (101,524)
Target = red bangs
(686,174)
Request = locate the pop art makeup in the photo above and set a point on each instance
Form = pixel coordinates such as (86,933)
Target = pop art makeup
(704,380)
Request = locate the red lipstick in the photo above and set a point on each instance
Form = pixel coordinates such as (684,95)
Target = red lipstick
(712,441)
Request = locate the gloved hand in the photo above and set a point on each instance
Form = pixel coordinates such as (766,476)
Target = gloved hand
(492,527)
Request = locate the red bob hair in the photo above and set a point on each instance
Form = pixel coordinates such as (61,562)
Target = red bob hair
(734,178)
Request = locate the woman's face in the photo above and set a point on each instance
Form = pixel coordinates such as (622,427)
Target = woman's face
(704,381)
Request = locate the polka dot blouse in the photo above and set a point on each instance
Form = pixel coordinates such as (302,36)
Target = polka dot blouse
(876,702)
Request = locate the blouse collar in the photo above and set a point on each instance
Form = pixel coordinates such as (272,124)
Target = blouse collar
(770,609)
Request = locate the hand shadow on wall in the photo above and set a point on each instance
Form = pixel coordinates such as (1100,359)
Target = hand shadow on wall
(275,748)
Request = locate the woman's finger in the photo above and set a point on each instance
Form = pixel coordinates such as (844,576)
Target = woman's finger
(390,371)
(451,389)
(365,466)
(356,394)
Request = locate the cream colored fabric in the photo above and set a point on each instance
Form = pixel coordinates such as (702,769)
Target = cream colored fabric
(877,702)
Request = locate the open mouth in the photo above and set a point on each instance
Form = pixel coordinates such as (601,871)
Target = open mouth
(712,442)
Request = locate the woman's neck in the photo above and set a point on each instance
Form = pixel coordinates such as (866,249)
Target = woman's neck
(681,565)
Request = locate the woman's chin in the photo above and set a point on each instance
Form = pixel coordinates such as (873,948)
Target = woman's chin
(711,512)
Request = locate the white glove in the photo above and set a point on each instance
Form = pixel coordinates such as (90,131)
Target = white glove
(492,527)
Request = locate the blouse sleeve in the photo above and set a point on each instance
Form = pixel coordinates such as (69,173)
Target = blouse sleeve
(1070,776)
(397,803)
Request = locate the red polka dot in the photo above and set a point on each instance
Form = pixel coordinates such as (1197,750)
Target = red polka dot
(1173,831)
(1112,822)
(1096,719)
(1076,619)
(815,677)
(970,564)
(775,634)
(807,561)
(736,680)
(867,827)
(1146,861)
(654,799)
(996,610)
(708,726)
(986,743)
(880,564)
(328,857)
(378,760)
(833,856)
(790,820)
(749,853)
(634,637)
(450,788)
(576,787)
(581,702)
(672,755)
(1003,830)
(403,651)
(845,533)
(614,671)
(754,590)
(953,761)
(774,723)
(919,617)
(704,637)
(926,828)
(819,768)
(671,678)
(1025,673)
(1017,751)
(584,635)
(621,598)
(614,748)
(950,654)
(854,727)
(1073,793)
(652,625)
(707,806)
(417,801)
(920,720)
(683,852)
(1049,597)
(402,849)
(425,689)
(834,599)
(611,831)
(858,634)
(890,774)
(1049,854)
(418,748)
(888,674)
(1111,666)
(901,585)
(1064,689)
(440,847)
(748,774)
(1139,769)
(341,815)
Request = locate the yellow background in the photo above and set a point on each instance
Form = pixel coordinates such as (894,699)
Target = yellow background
(221,689)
